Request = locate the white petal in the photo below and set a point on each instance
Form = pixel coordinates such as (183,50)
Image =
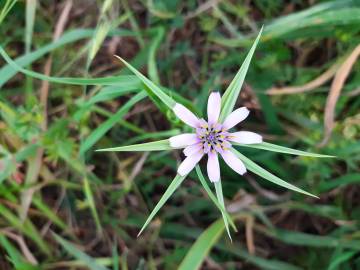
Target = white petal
(183,140)
(213,168)
(192,149)
(213,107)
(233,162)
(245,137)
(235,117)
(189,163)
(186,115)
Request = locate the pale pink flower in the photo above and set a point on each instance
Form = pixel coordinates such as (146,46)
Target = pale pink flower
(212,138)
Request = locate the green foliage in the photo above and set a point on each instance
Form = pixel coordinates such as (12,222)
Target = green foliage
(200,249)
(100,200)
(81,256)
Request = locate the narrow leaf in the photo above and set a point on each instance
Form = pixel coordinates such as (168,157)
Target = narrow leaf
(150,146)
(282,149)
(48,212)
(111,92)
(232,92)
(168,101)
(11,251)
(202,246)
(154,46)
(252,166)
(340,257)
(220,197)
(213,198)
(169,191)
(100,34)
(128,80)
(29,23)
(78,254)
(6,9)
(26,228)
(91,203)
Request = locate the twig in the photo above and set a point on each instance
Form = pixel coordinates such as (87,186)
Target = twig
(323,78)
(59,29)
(24,248)
(335,91)
(249,225)
(353,93)
(202,8)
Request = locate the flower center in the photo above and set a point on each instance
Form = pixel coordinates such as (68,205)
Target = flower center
(212,137)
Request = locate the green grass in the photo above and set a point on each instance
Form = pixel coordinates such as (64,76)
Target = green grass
(83,209)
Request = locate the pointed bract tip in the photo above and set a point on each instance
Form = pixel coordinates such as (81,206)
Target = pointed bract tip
(103,150)
(121,59)
(140,232)
(311,195)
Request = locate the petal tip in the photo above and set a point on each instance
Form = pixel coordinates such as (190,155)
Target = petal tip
(185,115)
(180,172)
(212,180)
(171,142)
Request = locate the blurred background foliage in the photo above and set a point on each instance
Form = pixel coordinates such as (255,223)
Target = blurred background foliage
(303,91)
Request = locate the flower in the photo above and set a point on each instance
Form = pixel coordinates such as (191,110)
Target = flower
(212,138)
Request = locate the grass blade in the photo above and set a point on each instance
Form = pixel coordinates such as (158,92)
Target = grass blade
(7,72)
(156,90)
(153,71)
(111,80)
(108,124)
(169,191)
(91,203)
(48,212)
(252,166)
(150,146)
(232,92)
(25,227)
(261,263)
(6,9)
(111,92)
(83,257)
(29,25)
(100,34)
(340,257)
(14,255)
(313,240)
(282,149)
(202,246)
